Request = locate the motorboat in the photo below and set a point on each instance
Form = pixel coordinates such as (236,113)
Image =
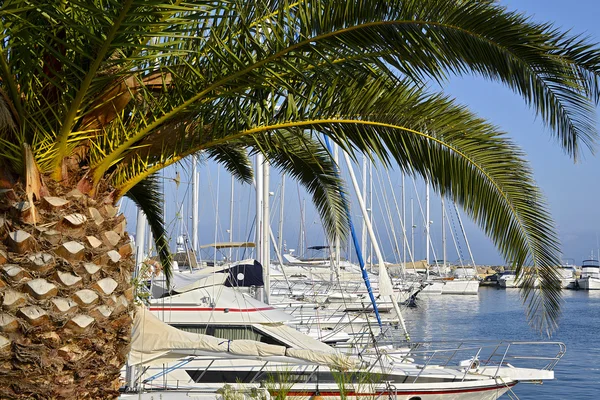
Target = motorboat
(590,275)
(568,275)
(219,338)
(510,280)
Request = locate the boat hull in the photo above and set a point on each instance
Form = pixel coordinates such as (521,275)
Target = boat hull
(492,392)
(589,283)
(459,286)
(434,287)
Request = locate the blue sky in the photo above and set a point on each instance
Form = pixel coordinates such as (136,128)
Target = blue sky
(571,189)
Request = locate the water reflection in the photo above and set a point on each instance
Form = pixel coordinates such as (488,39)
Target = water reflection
(500,314)
(435,317)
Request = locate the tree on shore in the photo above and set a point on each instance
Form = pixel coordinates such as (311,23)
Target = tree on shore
(97,96)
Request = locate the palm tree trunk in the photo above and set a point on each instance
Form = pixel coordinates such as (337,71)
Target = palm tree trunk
(66,296)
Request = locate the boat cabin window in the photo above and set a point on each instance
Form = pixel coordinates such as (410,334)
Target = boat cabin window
(231,333)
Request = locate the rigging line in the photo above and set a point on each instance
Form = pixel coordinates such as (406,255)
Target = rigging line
(386,206)
(249,235)
(275,205)
(376,229)
(454,237)
(355,240)
(396,249)
(426,222)
(302,236)
(402,222)
(215,205)
(248,229)
(216,237)
(464,234)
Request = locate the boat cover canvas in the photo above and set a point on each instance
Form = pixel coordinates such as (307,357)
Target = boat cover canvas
(152,339)
(292,337)
(245,275)
(184,282)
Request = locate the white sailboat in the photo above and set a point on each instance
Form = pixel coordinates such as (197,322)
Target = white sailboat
(245,343)
(221,336)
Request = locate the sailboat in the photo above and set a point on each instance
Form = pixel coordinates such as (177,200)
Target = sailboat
(201,338)
(218,336)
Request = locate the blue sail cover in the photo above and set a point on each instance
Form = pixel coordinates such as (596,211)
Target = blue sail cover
(245,275)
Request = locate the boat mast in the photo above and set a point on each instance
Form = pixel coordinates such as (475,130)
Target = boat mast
(336,263)
(280,231)
(370,209)
(258,172)
(403,219)
(412,228)
(385,284)
(140,230)
(427,224)
(231,219)
(195,191)
(266,230)
(443,234)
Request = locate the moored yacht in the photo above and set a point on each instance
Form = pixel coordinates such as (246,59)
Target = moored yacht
(590,275)
(461,286)
(568,275)
(510,280)
(220,336)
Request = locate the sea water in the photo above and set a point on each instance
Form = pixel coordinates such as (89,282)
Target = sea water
(500,314)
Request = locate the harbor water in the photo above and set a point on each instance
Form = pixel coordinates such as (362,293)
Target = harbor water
(499,314)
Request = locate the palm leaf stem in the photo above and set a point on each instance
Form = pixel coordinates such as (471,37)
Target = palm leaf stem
(69,120)
(12,87)
(103,166)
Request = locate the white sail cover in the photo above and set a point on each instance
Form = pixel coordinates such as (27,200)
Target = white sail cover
(385,283)
(184,282)
(152,339)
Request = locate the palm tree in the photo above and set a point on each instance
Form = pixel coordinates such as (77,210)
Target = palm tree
(97,96)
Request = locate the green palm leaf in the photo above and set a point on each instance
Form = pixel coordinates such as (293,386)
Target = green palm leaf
(148,197)
(109,92)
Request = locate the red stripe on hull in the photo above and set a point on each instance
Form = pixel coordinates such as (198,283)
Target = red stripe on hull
(211,309)
(401,392)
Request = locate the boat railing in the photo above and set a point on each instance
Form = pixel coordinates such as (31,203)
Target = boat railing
(474,356)
(156,378)
(486,359)
(314,287)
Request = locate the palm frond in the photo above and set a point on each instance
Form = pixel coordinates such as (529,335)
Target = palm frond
(461,155)
(234,158)
(301,156)
(147,195)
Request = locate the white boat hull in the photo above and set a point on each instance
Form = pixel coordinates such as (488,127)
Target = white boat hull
(488,393)
(459,286)
(589,283)
(513,283)
(433,287)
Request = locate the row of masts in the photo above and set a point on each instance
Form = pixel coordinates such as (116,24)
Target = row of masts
(263,233)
